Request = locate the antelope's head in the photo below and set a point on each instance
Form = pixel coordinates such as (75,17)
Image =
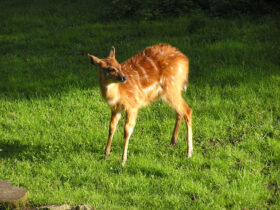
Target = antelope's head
(109,68)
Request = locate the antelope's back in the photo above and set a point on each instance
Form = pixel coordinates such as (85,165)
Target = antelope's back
(156,68)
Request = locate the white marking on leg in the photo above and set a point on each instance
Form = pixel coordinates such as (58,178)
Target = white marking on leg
(130,130)
(190,144)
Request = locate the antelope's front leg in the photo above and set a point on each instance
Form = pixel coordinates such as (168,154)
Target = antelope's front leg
(131,116)
(115,117)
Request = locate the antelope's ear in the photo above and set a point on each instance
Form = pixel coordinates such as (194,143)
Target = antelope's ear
(96,61)
(112,52)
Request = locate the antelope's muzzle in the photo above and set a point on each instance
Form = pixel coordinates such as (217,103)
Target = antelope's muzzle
(122,78)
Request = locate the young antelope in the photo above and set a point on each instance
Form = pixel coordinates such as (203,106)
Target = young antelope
(159,71)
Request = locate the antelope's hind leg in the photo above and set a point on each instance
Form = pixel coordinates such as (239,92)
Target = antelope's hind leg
(188,120)
(115,117)
(179,105)
(174,139)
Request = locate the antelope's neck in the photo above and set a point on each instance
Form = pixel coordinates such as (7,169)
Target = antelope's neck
(110,92)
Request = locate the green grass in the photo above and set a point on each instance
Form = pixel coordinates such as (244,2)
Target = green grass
(54,123)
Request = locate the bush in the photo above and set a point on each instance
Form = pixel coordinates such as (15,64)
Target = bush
(144,9)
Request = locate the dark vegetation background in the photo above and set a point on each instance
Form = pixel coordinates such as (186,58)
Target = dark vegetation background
(145,9)
(107,11)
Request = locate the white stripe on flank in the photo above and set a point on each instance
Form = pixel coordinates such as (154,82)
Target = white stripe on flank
(137,75)
(163,80)
(148,89)
(138,78)
(137,88)
(153,63)
(143,72)
(133,85)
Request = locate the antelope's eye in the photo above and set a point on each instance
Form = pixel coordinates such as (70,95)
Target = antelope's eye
(111,70)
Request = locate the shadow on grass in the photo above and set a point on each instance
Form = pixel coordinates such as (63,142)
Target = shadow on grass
(39,78)
(18,150)
(47,152)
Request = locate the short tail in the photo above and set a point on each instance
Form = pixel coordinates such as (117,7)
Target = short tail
(186,85)
(186,82)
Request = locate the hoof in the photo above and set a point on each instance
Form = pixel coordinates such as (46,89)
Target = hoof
(107,153)
(173,142)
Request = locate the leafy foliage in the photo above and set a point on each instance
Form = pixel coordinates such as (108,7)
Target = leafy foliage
(145,9)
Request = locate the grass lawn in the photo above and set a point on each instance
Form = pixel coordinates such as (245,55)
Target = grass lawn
(54,123)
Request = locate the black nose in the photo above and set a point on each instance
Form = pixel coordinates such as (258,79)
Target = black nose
(123,79)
